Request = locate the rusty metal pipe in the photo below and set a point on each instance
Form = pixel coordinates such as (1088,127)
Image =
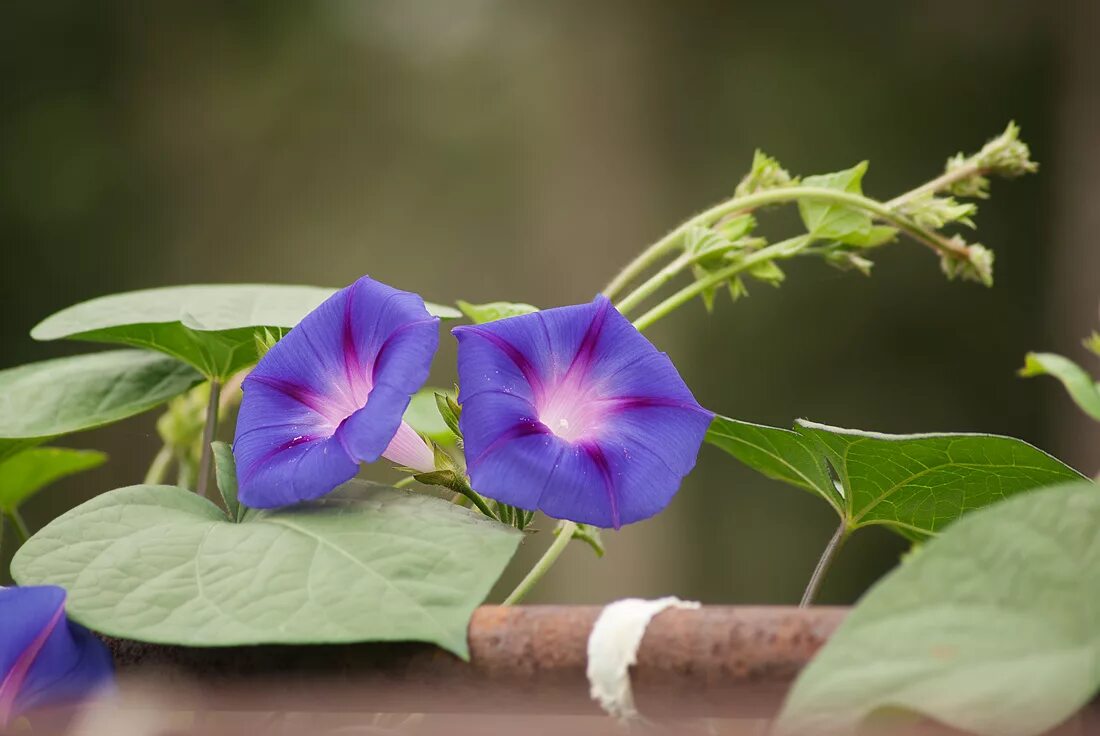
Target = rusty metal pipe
(714,661)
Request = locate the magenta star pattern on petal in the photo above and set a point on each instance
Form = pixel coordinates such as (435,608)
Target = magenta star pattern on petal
(574,412)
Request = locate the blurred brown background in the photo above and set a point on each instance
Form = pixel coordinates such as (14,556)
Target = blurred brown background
(522,150)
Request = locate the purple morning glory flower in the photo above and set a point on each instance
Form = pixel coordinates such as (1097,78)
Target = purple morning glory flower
(331,395)
(45,659)
(573,412)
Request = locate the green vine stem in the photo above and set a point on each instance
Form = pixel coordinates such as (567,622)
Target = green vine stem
(935,241)
(19,525)
(940,183)
(549,557)
(208,432)
(885,212)
(655,282)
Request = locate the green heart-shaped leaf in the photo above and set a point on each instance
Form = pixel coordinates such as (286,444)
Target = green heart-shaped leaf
(210,326)
(55,397)
(990,628)
(365,563)
(777,453)
(24,474)
(915,484)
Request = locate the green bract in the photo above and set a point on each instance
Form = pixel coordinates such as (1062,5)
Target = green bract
(423,416)
(212,326)
(55,397)
(990,628)
(915,484)
(366,563)
(225,470)
(27,472)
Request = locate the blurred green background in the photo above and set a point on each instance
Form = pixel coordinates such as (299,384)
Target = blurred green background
(522,150)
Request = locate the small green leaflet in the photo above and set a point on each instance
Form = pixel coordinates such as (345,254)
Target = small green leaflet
(914,484)
(1084,391)
(365,563)
(827,221)
(210,326)
(56,397)
(492,311)
(991,628)
(24,474)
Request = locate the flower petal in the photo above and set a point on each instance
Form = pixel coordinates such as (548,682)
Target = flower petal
(331,393)
(281,472)
(43,658)
(516,470)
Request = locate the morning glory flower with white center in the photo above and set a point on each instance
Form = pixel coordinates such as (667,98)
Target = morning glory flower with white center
(45,659)
(574,412)
(332,393)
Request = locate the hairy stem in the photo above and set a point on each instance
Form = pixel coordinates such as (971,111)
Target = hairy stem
(933,240)
(823,564)
(689,292)
(655,282)
(19,525)
(159,467)
(208,432)
(941,182)
(565,534)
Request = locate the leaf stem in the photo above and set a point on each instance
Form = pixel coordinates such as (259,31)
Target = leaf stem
(549,557)
(159,467)
(208,432)
(824,563)
(19,525)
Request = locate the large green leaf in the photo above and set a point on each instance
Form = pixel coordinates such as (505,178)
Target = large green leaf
(915,484)
(55,397)
(777,453)
(366,563)
(210,326)
(991,628)
(1084,391)
(919,483)
(27,472)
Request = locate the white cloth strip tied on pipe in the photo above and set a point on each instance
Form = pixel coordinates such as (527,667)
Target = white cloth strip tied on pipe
(613,648)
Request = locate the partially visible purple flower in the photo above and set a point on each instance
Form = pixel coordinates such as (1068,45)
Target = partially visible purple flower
(572,411)
(331,395)
(45,659)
